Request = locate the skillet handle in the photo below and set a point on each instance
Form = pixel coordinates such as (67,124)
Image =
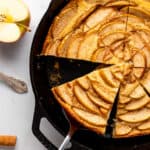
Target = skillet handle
(38,114)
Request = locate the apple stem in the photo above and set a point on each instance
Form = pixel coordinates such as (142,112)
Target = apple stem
(25,27)
(3,18)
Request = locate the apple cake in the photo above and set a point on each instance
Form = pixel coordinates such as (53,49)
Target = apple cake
(108,32)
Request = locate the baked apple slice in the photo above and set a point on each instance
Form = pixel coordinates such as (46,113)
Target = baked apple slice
(139,64)
(138,11)
(88,46)
(99,17)
(120,3)
(145,81)
(112,37)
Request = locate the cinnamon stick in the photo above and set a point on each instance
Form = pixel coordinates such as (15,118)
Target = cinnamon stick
(7,140)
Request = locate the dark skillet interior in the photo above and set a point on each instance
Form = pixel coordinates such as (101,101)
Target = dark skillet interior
(42,70)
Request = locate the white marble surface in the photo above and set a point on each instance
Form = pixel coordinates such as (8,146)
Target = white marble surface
(16,111)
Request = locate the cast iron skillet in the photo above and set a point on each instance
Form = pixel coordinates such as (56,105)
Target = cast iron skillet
(41,71)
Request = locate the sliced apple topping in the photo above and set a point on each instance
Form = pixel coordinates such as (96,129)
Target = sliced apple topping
(127,89)
(61,27)
(91,118)
(135,41)
(123,99)
(144,126)
(143,3)
(137,104)
(122,129)
(136,116)
(108,78)
(120,71)
(73,47)
(135,21)
(113,27)
(84,100)
(64,93)
(98,100)
(138,72)
(139,59)
(120,3)
(145,35)
(99,2)
(84,82)
(127,55)
(105,112)
(53,48)
(139,63)
(105,55)
(112,37)
(98,17)
(146,51)
(88,46)
(138,92)
(108,96)
(121,111)
(137,11)
(62,47)
(145,81)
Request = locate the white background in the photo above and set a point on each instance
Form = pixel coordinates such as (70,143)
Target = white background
(16,111)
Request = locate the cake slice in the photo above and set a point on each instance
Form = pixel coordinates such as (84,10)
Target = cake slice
(89,99)
(133,112)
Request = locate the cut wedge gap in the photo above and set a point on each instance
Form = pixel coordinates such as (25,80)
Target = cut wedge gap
(145,89)
(111,120)
(60,70)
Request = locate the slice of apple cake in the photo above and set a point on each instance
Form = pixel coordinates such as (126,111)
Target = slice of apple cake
(89,99)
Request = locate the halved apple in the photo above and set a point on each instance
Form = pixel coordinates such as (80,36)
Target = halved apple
(14,20)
